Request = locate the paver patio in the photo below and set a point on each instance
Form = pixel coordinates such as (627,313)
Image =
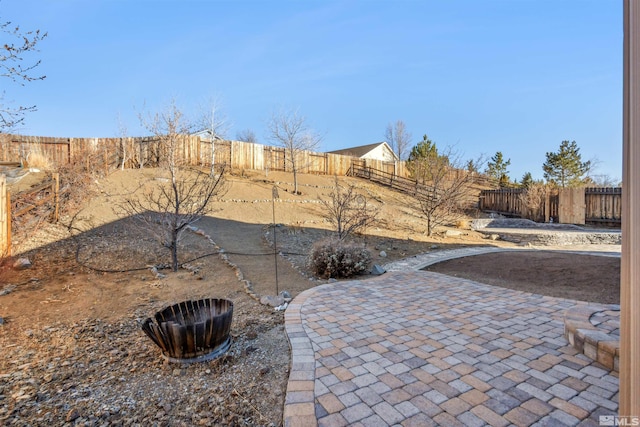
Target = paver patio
(417,348)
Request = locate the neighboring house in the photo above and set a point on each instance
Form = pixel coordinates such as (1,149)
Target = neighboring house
(377,151)
(205,135)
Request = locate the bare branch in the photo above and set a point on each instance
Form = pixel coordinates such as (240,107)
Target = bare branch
(398,137)
(183,196)
(348,211)
(12,54)
(290,130)
(447,192)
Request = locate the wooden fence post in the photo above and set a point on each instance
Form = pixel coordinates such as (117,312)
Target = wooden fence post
(5,218)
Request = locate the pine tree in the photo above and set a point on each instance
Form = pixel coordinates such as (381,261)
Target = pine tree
(421,158)
(565,168)
(497,168)
(527,180)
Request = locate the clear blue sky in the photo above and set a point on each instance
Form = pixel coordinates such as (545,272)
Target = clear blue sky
(515,76)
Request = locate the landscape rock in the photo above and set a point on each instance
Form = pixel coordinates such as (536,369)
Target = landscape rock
(494,237)
(22,264)
(273,301)
(286,295)
(377,270)
(452,233)
(72,415)
(383,254)
(7,289)
(282,307)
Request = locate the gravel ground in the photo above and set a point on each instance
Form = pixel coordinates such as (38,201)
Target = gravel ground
(73,352)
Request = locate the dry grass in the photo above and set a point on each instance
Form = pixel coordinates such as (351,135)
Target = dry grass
(36,159)
(462,224)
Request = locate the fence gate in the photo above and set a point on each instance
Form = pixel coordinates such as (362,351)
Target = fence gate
(571,206)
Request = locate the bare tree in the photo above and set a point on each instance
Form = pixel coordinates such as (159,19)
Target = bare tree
(168,207)
(398,137)
(18,44)
(602,180)
(216,124)
(290,130)
(247,135)
(348,211)
(447,192)
(123,152)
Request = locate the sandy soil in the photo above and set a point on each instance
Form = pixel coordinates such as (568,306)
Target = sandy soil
(558,274)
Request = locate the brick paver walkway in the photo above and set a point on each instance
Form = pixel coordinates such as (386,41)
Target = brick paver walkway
(420,348)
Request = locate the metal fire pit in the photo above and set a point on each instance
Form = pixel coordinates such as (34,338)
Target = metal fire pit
(192,331)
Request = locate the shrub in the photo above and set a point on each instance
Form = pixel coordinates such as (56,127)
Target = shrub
(336,258)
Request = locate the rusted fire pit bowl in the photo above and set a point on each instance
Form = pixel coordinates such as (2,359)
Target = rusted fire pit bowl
(192,331)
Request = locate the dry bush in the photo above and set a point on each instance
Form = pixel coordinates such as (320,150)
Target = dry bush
(338,259)
(462,224)
(348,211)
(38,160)
(533,199)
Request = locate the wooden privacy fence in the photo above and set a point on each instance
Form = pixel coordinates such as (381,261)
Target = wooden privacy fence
(603,205)
(109,153)
(505,201)
(566,205)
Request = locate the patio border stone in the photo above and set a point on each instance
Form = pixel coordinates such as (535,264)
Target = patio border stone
(588,339)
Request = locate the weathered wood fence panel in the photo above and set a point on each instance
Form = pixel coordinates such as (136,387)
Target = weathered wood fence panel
(18,147)
(603,205)
(338,165)
(571,206)
(505,201)
(137,152)
(567,206)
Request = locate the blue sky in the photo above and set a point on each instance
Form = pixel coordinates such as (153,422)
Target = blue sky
(515,76)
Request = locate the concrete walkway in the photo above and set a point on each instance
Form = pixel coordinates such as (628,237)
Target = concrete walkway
(420,348)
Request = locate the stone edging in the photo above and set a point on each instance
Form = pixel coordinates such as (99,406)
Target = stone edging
(588,339)
(248,286)
(299,403)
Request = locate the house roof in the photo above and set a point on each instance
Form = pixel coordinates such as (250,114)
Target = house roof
(205,134)
(361,150)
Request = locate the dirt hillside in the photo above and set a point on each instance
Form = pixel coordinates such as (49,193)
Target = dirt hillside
(73,351)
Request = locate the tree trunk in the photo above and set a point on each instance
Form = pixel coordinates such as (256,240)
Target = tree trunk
(174,250)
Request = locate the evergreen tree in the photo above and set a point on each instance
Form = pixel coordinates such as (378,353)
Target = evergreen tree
(497,167)
(421,159)
(565,167)
(423,149)
(527,180)
(472,167)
